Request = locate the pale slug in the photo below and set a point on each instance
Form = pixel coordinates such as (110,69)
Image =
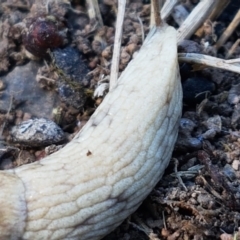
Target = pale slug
(89,187)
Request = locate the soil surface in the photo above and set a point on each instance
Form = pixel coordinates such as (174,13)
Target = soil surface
(55,59)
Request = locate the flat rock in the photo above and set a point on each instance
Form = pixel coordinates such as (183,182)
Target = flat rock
(23,92)
(37,132)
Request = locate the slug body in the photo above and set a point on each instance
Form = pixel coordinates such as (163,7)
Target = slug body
(89,187)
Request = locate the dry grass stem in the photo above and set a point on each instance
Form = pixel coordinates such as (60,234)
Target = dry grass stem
(228,32)
(233,61)
(195,19)
(164,220)
(16,5)
(168,7)
(142,28)
(220,6)
(165,11)
(233,48)
(94,11)
(117,43)
(7,116)
(155,13)
(230,65)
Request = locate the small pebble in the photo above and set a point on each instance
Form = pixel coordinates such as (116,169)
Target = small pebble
(37,132)
(234,94)
(19,113)
(193,201)
(2,85)
(186,125)
(226,236)
(26,116)
(214,123)
(165,232)
(209,134)
(185,140)
(204,200)
(194,195)
(235,164)
(229,172)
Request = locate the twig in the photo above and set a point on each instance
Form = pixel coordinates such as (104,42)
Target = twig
(195,19)
(228,32)
(155,8)
(209,61)
(141,226)
(117,43)
(177,175)
(215,193)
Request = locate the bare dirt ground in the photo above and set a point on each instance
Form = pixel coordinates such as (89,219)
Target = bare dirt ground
(199,195)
